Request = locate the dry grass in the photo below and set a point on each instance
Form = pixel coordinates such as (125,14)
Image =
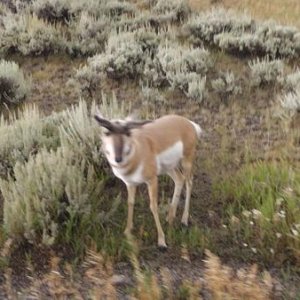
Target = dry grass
(224,283)
(287,13)
(97,280)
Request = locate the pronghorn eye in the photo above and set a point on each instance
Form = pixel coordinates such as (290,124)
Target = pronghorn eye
(107,133)
(128,150)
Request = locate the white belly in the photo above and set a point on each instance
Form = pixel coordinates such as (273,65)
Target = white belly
(133,178)
(170,158)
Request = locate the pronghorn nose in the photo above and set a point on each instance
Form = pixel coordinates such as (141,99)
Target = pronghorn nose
(118,159)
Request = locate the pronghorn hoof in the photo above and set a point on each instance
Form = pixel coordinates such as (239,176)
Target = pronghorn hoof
(162,248)
(185,224)
(127,233)
(170,222)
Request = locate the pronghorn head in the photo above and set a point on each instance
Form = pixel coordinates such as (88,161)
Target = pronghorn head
(117,140)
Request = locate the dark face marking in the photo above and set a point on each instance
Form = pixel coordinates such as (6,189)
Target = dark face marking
(118,143)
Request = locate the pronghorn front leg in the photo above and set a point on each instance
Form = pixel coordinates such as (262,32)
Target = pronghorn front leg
(131,197)
(152,189)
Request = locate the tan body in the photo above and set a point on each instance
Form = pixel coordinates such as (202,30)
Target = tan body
(164,146)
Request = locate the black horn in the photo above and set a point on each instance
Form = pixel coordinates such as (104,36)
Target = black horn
(136,124)
(104,123)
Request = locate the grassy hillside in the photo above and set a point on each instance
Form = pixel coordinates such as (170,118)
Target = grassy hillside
(287,14)
(63,212)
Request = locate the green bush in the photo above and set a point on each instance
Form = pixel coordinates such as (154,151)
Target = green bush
(14,88)
(262,210)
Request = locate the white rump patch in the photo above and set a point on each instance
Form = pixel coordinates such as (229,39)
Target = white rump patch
(198,129)
(170,158)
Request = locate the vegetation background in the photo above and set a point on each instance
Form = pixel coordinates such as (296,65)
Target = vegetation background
(231,66)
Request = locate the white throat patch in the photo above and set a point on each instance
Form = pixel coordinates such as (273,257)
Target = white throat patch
(134,178)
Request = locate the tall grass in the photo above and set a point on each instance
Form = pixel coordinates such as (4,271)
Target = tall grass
(262,210)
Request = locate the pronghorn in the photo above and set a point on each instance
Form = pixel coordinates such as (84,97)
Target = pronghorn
(139,151)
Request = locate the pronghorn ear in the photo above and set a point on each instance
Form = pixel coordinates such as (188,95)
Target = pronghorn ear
(132,117)
(136,124)
(104,123)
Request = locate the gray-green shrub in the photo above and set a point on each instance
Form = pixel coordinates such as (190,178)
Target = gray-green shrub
(88,35)
(55,194)
(292,81)
(117,8)
(290,101)
(238,33)
(185,68)
(266,71)
(42,191)
(14,87)
(125,56)
(23,137)
(226,85)
(172,10)
(53,11)
(28,35)
(203,27)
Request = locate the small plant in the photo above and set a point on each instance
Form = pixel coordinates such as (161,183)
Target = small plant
(292,81)
(290,102)
(152,96)
(196,87)
(226,85)
(14,88)
(266,71)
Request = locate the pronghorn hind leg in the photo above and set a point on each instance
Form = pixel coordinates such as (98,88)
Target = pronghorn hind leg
(178,179)
(131,197)
(187,171)
(152,190)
